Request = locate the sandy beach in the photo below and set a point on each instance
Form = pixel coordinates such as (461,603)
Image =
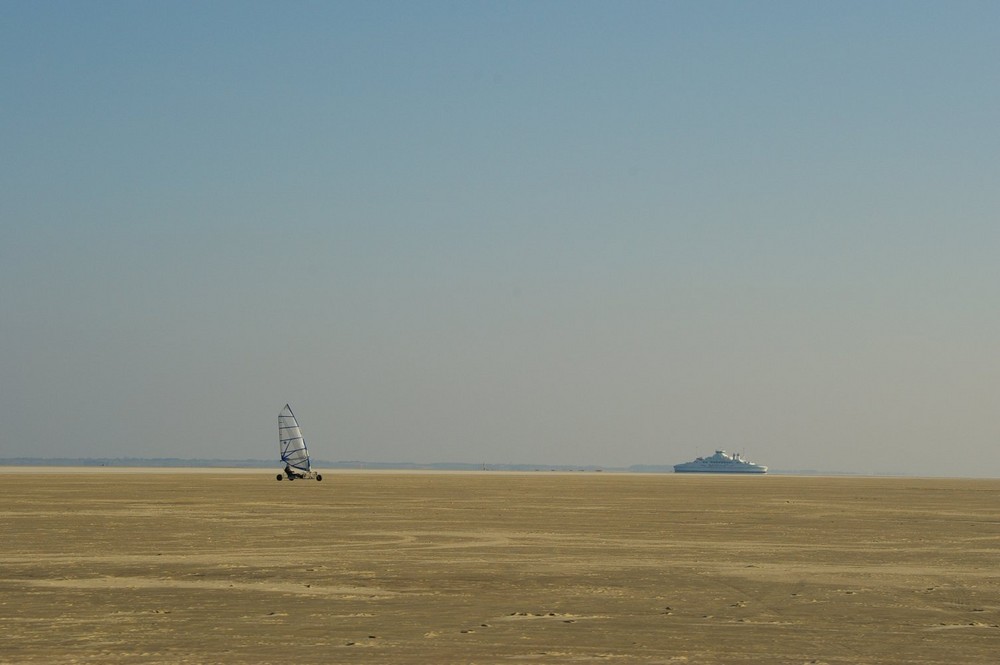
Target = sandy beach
(219,567)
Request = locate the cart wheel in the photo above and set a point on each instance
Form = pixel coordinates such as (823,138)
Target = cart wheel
(291,478)
(319,477)
(278,476)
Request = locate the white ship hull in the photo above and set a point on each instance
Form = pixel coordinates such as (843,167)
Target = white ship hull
(689,468)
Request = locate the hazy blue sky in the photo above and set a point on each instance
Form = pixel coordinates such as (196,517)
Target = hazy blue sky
(556,232)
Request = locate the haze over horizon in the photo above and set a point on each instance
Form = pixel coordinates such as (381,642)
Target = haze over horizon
(558,233)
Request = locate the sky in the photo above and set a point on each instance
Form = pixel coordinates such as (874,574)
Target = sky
(595,233)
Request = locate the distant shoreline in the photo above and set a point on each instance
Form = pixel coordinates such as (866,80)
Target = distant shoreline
(169,465)
(70,469)
(269,473)
(255,464)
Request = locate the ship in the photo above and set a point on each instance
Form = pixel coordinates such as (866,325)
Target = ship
(720,462)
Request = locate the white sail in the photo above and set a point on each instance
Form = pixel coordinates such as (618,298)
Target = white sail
(293,446)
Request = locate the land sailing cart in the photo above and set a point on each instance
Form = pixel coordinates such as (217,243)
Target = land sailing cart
(294,453)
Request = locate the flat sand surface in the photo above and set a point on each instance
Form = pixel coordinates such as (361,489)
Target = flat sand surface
(492,567)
